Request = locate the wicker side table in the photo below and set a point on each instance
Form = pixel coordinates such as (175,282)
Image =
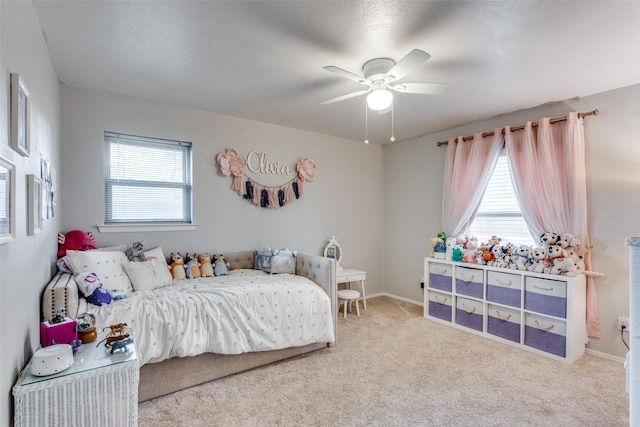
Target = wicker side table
(99,389)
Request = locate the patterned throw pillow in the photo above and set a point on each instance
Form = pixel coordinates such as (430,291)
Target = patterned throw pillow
(108,266)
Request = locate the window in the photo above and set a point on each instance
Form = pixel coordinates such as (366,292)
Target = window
(499,213)
(147,180)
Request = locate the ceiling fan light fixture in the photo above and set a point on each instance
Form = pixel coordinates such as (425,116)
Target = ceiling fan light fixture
(379,99)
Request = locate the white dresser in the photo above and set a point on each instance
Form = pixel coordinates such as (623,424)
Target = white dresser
(99,389)
(542,313)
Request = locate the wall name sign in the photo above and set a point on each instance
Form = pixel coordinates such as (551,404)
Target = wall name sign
(257,163)
(232,164)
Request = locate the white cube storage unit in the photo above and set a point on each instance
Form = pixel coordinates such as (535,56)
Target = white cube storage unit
(542,313)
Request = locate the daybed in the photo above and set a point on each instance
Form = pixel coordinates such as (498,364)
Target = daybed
(166,369)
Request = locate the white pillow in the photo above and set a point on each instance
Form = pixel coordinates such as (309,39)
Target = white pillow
(156,253)
(108,266)
(148,275)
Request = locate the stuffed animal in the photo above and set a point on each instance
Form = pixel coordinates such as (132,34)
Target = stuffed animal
(487,256)
(568,240)
(192,267)
(570,252)
(220,266)
(480,257)
(562,264)
(520,258)
(500,254)
(206,268)
(177,266)
(494,240)
(75,240)
(439,250)
(456,254)
(548,238)
(470,253)
(135,252)
(540,260)
(432,242)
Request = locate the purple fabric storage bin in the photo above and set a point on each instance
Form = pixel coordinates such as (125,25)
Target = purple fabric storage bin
(502,295)
(545,341)
(441,311)
(470,320)
(472,289)
(545,304)
(503,329)
(439,281)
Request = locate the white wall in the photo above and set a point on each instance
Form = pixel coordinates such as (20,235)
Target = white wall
(413,195)
(27,262)
(344,200)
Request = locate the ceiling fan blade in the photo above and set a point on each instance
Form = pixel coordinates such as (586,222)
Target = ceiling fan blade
(343,97)
(412,60)
(421,88)
(347,74)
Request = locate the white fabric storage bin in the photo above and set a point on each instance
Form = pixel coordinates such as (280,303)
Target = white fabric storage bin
(546,334)
(440,305)
(504,288)
(546,296)
(440,276)
(469,313)
(503,322)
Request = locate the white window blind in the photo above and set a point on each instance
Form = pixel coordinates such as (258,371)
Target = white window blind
(499,213)
(147,180)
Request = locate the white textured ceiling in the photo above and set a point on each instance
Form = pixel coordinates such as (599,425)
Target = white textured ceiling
(262,60)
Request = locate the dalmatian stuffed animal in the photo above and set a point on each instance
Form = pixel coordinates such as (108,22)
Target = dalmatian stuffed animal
(540,260)
(520,258)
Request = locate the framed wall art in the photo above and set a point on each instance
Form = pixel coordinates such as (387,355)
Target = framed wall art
(34,201)
(20,115)
(7,201)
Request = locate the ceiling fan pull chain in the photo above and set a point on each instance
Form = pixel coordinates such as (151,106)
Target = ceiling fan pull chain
(366,123)
(393,138)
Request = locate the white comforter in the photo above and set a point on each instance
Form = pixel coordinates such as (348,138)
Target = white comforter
(246,311)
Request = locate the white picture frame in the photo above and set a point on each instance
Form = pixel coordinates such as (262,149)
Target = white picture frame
(7,201)
(34,201)
(20,116)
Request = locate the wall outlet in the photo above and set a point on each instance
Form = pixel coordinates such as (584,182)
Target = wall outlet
(422,283)
(623,321)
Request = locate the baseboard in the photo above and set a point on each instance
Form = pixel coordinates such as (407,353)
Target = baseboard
(386,294)
(420,303)
(604,355)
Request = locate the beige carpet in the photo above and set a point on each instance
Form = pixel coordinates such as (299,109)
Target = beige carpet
(392,367)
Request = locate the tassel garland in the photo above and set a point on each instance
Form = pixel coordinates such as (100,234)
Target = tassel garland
(232,164)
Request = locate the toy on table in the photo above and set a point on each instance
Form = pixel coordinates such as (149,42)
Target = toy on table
(87,328)
(59,317)
(117,333)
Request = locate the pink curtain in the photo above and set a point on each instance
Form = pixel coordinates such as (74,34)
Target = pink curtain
(549,176)
(468,168)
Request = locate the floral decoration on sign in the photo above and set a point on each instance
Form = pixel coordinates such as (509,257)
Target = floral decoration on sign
(232,163)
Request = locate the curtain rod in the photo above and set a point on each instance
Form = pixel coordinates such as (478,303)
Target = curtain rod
(554,120)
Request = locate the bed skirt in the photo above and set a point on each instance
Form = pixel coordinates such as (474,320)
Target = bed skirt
(178,373)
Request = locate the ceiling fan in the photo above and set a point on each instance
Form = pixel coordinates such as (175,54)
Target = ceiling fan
(380,74)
